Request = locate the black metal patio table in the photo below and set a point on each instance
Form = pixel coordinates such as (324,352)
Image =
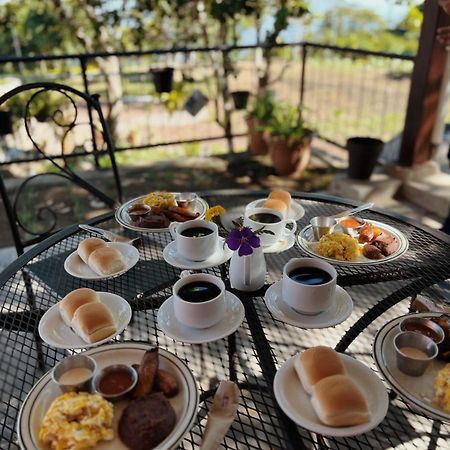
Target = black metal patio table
(250,356)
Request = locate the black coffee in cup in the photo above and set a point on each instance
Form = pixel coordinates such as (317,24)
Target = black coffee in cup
(311,276)
(264,218)
(198,291)
(196,232)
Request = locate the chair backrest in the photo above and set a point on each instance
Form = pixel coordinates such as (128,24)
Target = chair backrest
(67,110)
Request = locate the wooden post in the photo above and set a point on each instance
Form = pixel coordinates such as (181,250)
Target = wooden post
(426,82)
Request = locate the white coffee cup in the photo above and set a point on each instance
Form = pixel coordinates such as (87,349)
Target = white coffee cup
(279,229)
(195,248)
(304,298)
(201,314)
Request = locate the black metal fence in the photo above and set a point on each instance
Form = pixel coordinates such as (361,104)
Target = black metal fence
(344,92)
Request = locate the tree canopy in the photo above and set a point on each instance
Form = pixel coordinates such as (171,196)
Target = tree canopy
(363,28)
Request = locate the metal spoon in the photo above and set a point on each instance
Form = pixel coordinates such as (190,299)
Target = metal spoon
(351,212)
(113,237)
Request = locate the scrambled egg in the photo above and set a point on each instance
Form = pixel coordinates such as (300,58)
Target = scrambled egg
(338,246)
(442,388)
(77,421)
(160,200)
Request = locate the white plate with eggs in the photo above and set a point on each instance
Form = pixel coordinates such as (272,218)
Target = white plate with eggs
(75,266)
(45,391)
(419,391)
(55,332)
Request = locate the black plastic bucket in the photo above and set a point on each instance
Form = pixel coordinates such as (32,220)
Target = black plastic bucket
(5,123)
(240,99)
(363,153)
(162,79)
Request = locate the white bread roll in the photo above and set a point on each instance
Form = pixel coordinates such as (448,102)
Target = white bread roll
(339,402)
(93,322)
(284,196)
(277,205)
(87,246)
(73,300)
(317,363)
(106,261)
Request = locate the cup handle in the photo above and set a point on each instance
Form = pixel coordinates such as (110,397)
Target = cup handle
(185,273)
(294,226)
(173,229)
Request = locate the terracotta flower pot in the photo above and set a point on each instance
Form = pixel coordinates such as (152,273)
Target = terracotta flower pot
(289,158)
(257,145)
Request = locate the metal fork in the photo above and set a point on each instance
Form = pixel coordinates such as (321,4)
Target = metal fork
(113,237)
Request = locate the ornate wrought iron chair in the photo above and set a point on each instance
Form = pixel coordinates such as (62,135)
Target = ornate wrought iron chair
(71,110)
(68,110)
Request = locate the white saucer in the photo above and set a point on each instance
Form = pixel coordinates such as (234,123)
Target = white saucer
(221,255)
(174,329)
(296,211)
(230,215)
(75,266)
(54,331)
(296,403)
(339,311)
(283,244)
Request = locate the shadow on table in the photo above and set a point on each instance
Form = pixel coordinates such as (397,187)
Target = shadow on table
(145,276)
(397,429)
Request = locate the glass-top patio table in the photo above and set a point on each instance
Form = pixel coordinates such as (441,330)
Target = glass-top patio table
(251,355)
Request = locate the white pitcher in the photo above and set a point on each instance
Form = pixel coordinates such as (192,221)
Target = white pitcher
(248,273)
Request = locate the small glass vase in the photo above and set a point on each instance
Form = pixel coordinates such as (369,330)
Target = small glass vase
(248,273)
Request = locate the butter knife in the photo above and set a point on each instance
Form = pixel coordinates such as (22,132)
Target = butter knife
(221,415)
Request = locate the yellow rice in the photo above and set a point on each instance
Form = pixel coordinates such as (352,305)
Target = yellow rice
(339,246)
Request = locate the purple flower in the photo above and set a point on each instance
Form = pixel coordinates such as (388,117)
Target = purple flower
(243,239)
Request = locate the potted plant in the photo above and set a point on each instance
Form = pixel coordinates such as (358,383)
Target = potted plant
(175,99)
(240,99)
(256,119)
(247,270)
(162,79)
(289,141)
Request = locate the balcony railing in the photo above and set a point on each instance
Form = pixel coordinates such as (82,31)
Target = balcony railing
(344,92)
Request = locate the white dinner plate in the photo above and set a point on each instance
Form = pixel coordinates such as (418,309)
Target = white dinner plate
(339,311)
(54,331)
(220,256)
(296,403)
(198,205)
(75,266)
(296,210)
(417,391)
(185,403)
(307,243)
(179,332)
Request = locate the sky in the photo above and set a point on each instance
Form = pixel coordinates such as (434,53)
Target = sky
(391,12)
